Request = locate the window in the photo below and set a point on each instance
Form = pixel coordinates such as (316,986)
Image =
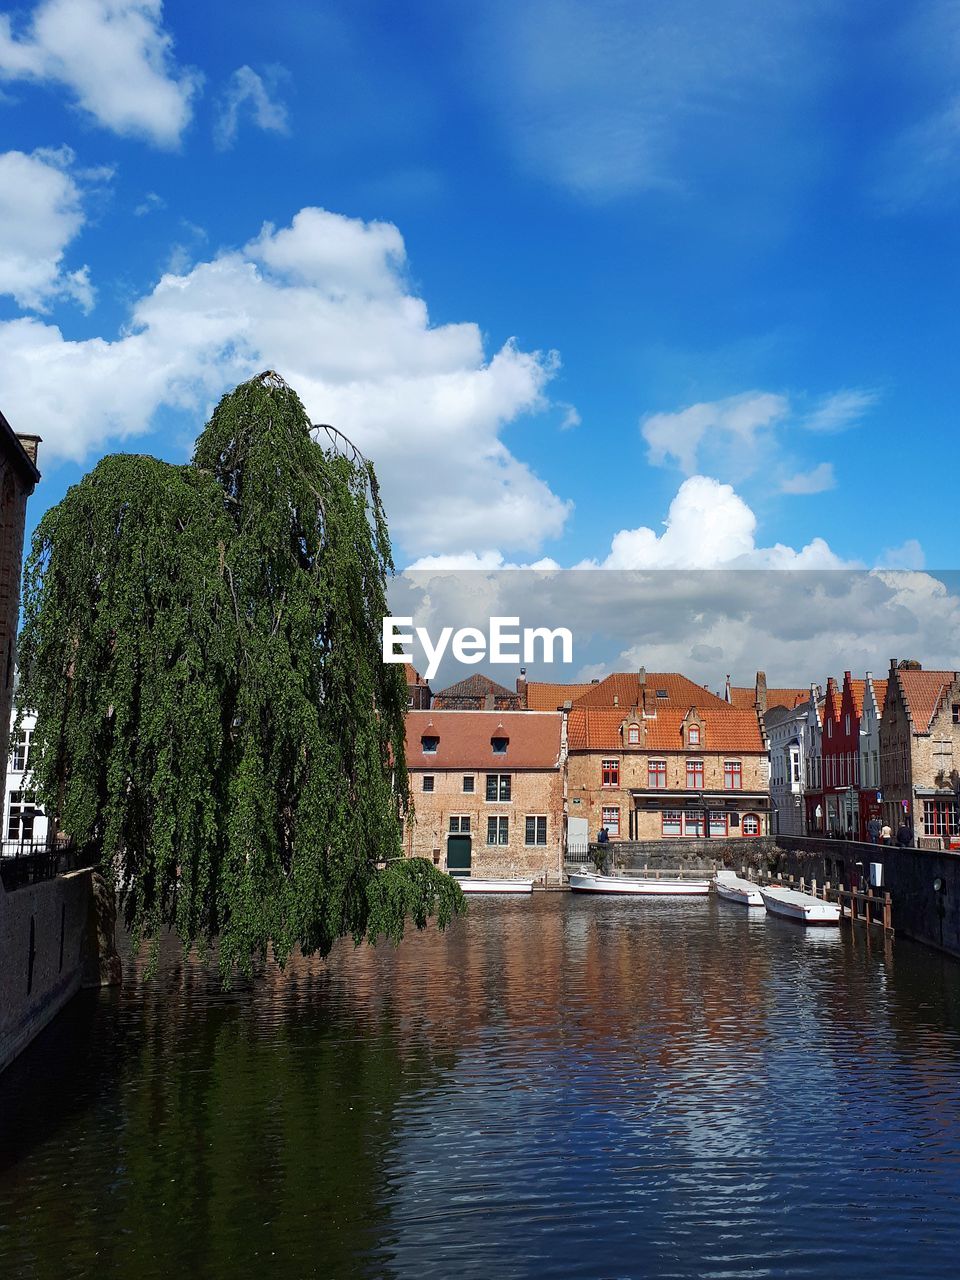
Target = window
(23,812)
(611,773)
(662,693)
(750,825)
(693,822)
(671,824)
(498,786)
(695,775)
(611,819)
(956,713)
(718,824)
(941,818)
(21,752)
(846,724)
(428,782)
(794,766)
(429,744)
(693,735)
(468,784)
(536,830)
(657,774)
(829,728)
(633,735)
(498,831)
(499,746)
(732,775)
(460,824)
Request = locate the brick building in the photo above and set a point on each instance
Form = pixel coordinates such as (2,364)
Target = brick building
(18,477)
(476,693)
(488,791)
(418,690)
(919,740)
(654,756)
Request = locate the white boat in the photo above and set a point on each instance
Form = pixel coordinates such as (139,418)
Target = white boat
(734,888)
(469,884)
(651,886)
(791,904)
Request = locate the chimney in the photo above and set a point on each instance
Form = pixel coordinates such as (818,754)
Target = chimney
(727,696)
(761,692)
(30,444)
(642,675)
(488,703)
(616,699)
(522,687)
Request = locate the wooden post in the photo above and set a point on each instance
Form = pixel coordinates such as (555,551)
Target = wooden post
(887,914)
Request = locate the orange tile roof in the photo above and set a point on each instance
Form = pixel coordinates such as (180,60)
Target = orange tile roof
(726,728)
(465,739)
(542,696)
(923,692)
(741,697)
(624,690)
(788,698)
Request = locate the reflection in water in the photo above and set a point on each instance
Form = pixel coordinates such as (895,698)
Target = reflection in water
(557,1086)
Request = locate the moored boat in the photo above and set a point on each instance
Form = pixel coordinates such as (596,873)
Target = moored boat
(649,886)
(791,904)
(734,888)
(469,884)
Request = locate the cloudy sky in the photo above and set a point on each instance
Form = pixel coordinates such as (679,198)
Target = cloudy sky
(594,282)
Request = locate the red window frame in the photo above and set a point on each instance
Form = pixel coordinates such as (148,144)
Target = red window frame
(695,775)
(751,818)
(657,775)
(733,775)
(610,773)
(693,735)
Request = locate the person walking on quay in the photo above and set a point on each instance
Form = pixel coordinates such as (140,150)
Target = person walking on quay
(873,830)
(886,835)
(904,835)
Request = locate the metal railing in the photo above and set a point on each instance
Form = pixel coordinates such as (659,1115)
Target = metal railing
(25,862)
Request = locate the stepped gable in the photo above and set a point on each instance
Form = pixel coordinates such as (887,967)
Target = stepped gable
(923,694)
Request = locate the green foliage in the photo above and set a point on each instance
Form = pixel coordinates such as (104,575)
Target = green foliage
(214,722)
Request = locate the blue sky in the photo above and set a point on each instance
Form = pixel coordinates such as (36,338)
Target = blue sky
(566,271)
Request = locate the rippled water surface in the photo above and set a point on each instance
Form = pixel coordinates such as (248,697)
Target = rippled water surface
(559,1086)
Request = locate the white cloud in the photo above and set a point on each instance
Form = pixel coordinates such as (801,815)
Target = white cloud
(709,526)
(839,410)
(247,90)
(325,301)
(680,435)
(40,214)
(113,56)
(818,480)
(908,556)
(606,98)
(150,203)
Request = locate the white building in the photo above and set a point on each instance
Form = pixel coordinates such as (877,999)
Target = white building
(793,735)
(24,822)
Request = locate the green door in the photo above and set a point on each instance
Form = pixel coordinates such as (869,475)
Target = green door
(458,855)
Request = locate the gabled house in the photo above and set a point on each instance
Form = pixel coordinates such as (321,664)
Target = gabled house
(488,791)
(476,693)
(653,756)
(920,751)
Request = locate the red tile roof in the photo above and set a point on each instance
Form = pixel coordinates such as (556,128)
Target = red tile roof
(742,697)
(465,739)
(726,728)
(625,691)
(746,698)
(476,686)
(549,697)
(923,692)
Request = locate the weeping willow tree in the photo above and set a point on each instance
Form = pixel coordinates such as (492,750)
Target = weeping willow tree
(215,725)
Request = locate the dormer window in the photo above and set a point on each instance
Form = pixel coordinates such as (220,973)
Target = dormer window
(662,693)
(633,734)
(499,745)
(429,743)
(693,735)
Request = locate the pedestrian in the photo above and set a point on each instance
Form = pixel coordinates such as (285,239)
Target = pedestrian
(904,835)
(886,835)
(873,830)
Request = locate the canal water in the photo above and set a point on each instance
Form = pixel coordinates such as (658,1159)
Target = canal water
(558,1086)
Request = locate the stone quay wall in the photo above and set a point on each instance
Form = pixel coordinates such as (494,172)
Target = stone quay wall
(696,854)
(55,936)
